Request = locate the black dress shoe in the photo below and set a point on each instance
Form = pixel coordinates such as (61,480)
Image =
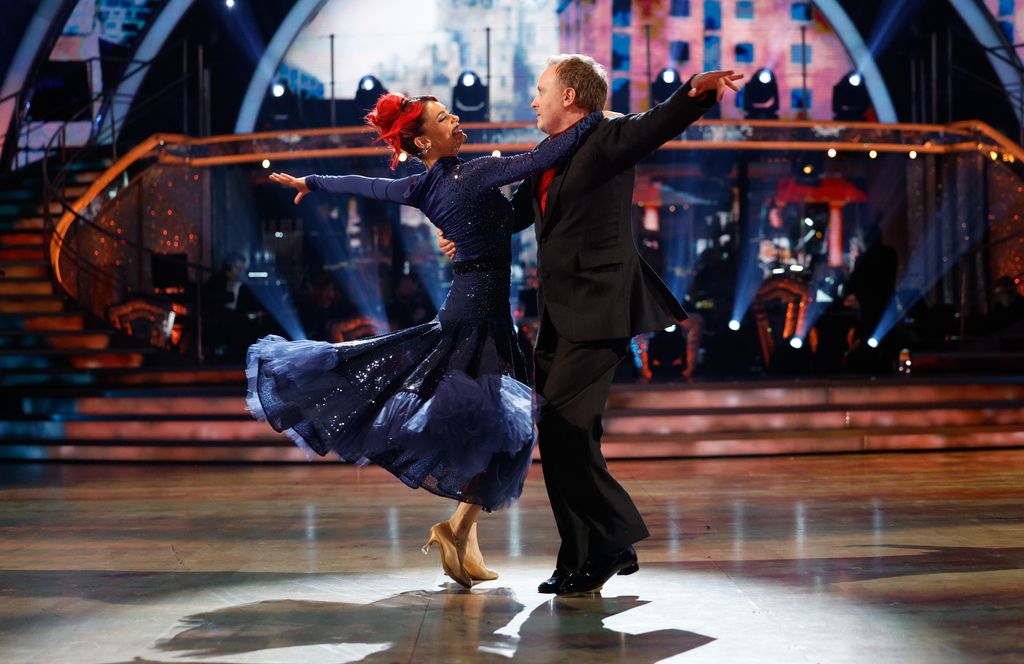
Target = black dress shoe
(552,584)
(596,572)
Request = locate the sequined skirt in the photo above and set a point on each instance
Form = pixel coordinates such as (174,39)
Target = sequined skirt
(443,406)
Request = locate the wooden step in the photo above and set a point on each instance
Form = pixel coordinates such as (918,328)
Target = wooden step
(28,223)
(22,238)
(25,286)
(744,395)
(60,320)
(25,269)
(171,451)
(15,304)
(62,339)
(22,252)
(818,442)
(110,358)
(745,421)
(280,449)
(56,377)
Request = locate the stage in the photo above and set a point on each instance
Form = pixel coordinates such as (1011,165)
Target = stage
(883,557)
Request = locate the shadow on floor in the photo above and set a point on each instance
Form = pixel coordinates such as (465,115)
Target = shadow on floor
(447,625)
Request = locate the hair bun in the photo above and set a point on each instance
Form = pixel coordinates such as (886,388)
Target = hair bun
(396,118)
(386,112)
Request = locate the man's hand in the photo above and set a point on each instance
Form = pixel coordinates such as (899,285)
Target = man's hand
(446,245)
(289,181)
(716,81)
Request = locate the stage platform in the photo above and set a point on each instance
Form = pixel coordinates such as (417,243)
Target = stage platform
(197,415)
(841,559)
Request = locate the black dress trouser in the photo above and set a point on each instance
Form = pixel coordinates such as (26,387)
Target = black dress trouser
(594,514)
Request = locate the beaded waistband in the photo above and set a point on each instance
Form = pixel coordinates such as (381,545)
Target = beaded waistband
(481,265)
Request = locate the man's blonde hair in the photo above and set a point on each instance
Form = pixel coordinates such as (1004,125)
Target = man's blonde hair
(584,75)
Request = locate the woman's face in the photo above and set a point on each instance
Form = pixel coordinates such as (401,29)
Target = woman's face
(440,131)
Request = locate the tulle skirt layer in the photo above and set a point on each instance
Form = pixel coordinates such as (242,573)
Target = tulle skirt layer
(441,405)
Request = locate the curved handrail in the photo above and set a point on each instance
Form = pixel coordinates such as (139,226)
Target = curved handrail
(965,129)
(707,134)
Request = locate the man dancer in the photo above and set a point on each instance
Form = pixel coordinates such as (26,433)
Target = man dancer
(595,293)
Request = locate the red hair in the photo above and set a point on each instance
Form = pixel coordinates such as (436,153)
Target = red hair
(398,120)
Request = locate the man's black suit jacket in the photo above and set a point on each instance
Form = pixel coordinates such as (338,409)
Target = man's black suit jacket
(593,283)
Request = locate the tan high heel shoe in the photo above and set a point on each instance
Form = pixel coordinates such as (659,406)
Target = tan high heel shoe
(441,534)
(478,570)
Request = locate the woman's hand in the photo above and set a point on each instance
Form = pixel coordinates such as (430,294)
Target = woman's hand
(611,114)
(289,181)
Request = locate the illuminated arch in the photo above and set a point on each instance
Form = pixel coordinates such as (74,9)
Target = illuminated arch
(33,40)
(151,45)
(982,25)
(266,69)
(862,56)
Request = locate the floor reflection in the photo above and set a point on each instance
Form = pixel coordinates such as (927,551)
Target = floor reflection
(446,625)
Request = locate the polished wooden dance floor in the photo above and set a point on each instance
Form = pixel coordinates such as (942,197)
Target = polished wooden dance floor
(850,558)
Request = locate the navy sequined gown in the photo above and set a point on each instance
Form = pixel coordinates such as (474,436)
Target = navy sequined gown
(443,405)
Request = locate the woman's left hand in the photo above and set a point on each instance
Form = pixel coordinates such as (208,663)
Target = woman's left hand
(289,181)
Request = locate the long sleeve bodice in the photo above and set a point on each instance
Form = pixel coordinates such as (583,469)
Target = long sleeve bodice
(463,198)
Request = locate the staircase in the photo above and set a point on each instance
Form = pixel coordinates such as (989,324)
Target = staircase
(197,422)
(43,337)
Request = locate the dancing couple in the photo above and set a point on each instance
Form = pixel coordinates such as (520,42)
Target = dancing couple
(444,405)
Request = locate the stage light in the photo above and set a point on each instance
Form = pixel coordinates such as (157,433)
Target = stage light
(832,152)
(808,221)
(277,89)
(403,157)
(873,342)
(664,84)
(761,96)
(230,4)
(496,153)
(808,169)
(994,155)
(670,328)
(278,234)
(266,163)
(734,325)
(912,154)
(796,268)
(368,91)
(469,98)
(873,154)
(850,101)
(796,342)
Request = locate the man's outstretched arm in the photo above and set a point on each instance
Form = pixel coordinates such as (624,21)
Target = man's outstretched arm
(633,137)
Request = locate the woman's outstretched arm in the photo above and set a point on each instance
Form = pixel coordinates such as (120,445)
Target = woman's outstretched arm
(497,171)
(381,189)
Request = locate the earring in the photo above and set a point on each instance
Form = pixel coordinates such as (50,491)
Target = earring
(425,151)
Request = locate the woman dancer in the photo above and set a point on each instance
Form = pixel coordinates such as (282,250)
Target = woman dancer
(443,405)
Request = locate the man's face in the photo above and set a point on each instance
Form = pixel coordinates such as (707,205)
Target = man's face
(549,104)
